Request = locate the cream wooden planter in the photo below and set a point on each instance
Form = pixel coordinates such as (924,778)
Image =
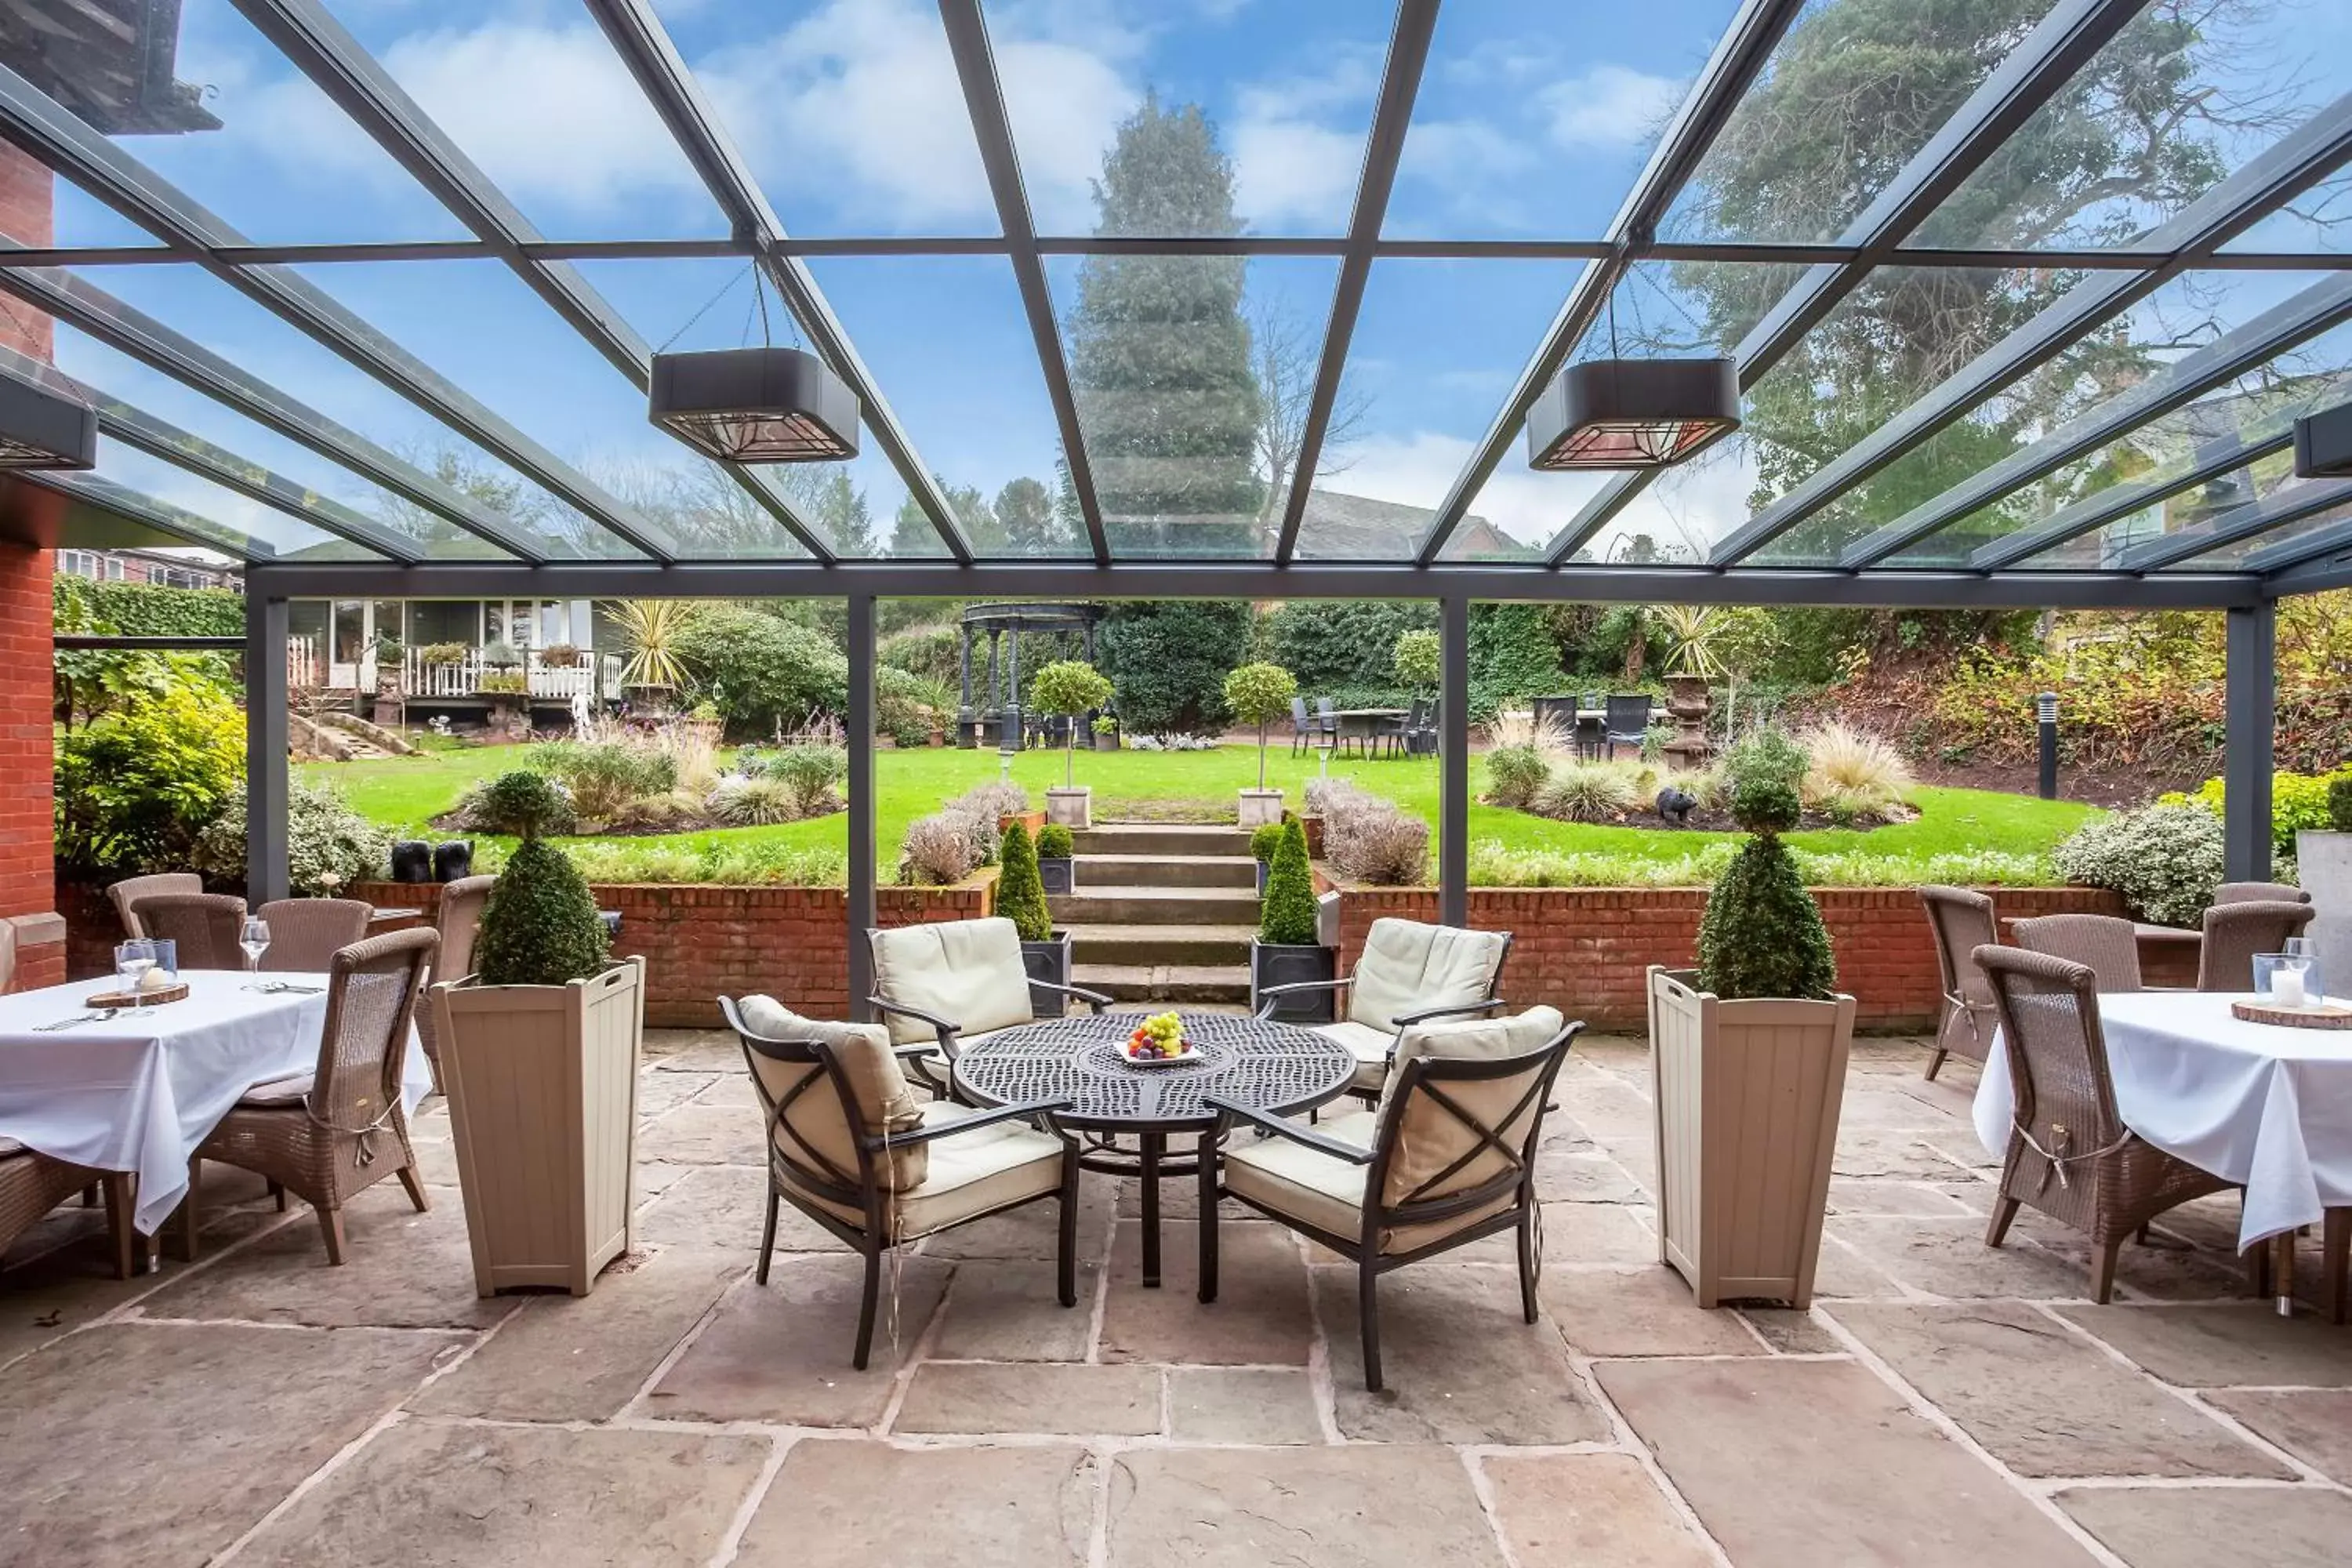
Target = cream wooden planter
(1747,1096)
(542,1086)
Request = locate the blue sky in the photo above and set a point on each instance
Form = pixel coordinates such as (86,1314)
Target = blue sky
(1532,120)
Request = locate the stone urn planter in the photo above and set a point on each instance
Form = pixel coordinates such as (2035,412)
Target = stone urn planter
(2322,865)
(1072,805)
(1747,1095)
(1289,964)
(1048,960)
(542,1087)
(1260,807)
(1687,705)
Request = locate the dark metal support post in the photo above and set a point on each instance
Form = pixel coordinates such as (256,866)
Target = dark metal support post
(2045,713)
(2251,714)
(1453,763)
(1008,732)
(264,746)
(967,732)
(861,801)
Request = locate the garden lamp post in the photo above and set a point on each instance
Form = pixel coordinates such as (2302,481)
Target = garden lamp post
(2046,711)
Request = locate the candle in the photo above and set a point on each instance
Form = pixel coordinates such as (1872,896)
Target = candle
(2286,987)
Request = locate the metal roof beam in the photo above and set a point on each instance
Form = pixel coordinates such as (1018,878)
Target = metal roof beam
(347,73)
(645,47)
(88,308)
(1416,20)
(2290,503)
(2319,561)
(2305,154)
(2252,345)
(2101,508)
(984,97)
(160,515)
(1739,58)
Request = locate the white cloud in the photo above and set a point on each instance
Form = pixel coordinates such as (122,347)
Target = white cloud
(1419,468)
(1608,105)
(1291,174)
(1066,104)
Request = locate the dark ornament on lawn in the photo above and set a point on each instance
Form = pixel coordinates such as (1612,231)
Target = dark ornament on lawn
(454,860)
(1675,806)
(412,861)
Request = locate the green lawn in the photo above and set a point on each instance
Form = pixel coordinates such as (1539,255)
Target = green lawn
(403,793)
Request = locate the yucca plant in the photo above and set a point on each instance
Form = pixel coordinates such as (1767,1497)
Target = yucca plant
(650,630)
(1692,631)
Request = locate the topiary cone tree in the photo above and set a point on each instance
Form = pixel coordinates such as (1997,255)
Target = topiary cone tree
(1762,934)
(1070,689)
(1020,889)
(1258,693)
(1286,917)
(1418,658)
(539,926)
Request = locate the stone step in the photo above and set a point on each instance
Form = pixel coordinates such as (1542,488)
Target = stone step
(1183,982)
(1167,871)
(1091,905)
(1161,839)
(1154,945)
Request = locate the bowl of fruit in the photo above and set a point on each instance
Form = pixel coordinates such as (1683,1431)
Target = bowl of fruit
(1158,1041)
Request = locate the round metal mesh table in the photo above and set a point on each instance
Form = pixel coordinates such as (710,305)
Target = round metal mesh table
(1275,1067)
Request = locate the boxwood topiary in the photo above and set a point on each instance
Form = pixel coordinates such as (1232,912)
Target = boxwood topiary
(1266,837)
(1020,891)
(539,925)
(1055,843)
(1762,933)
(1287,917)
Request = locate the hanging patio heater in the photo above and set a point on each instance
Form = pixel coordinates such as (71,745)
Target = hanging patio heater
(2323,444)
(1633,414)
(755,405)
(40,428)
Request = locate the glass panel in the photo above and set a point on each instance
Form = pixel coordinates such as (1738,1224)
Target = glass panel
(1680,515)
(1146,99)
(214,511)
(433,621)
(948,341)
(1534,119)
(2317,222)
(2256,410)
(1851,93)
(195,94)
(2177,101)
(541,103)
(849,112)
(351,631)
(2237,553)
(1165,364)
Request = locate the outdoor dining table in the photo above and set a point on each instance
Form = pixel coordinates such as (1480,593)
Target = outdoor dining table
(1365,725)
(2264,1104)
(138,1091)
(1278,1069)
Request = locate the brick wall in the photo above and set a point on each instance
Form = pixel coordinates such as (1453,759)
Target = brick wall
(26,217)
(1586,950)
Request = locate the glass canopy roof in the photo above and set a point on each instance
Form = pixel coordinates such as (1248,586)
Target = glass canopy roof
(2013,287)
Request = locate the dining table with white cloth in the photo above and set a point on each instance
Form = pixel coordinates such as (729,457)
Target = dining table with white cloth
(139,1091)
(2268,1106)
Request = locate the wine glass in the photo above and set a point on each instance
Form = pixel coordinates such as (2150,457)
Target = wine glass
(132,960)
(254,937)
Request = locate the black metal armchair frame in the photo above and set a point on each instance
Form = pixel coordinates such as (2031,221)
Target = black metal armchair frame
(1270,997)
(949,1032)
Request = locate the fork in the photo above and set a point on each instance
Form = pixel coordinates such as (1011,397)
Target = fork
(98,1017)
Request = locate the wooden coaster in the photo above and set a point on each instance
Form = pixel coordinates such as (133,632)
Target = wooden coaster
(2332,1015)
(153,998)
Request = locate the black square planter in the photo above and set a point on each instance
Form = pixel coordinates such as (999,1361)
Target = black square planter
(1048,960)
(1055,872)
(1286,964)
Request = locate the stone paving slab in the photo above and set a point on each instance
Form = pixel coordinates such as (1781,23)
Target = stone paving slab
(662,1091)
(1009,1310)
(702,1136)
(2315,1427)
(161,1444)
(1873,1153)
(1638,1312)
(1241,1404)
(2152,1528)
(1885,1196)
(989,1397)
(1260,1317)
(854,1504)
(1459,1364)
(2242,1344)
(1799,1463)
(1792,1332)
(1581,1235)
(2046,1402)
(780,1351)
(58,1291)
(1949,1257)
(1033,1231)
(1589,1176)
(1245,1508)
(1597,1509)
(722,1208)
(428,1494)
(564,1358)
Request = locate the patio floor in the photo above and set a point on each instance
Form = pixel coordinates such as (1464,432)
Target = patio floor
(1940,1405)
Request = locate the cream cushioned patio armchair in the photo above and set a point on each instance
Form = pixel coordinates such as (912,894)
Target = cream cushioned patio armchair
(1448,1158)
(1408,974)
(952,984)
(850,1146)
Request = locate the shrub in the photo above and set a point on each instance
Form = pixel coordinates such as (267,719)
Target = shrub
(1366,838)
(1418,658)
(1762,933)
(502,683)
(1767,755)
(1055,843)
(136,788)
(650,632)
(1286,916)
(2300,803)
(937,850)
(1264,839)
(1854,775)
(811,773)
(1513,655)
(1335,644)
(539,925)
(606,779)
(1514,775)
(525,804)
(1519,728)
(2166,860)
(1258,694)
(1020,891)
(1704,785)
(501,656)
(761,674)
(1587,792)
(329,846)
(756,802)
(735,862)
(1761,804)
(1069,688)
(2339,803)
(1168,659)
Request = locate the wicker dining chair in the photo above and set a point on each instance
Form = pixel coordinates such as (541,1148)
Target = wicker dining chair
(332,1132)
(459,921)
(31,1184)
(202,927)
(1448,1158)
(2070,1155)
(2235,933)
(131,889)
(2258,892)
(1963,922)
(850,1147)
(305,934)
(2103,944)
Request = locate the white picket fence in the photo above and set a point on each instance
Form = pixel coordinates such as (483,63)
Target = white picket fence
(597,675)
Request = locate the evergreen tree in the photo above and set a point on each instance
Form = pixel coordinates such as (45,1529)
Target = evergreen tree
(1024,515)
(837,511)
(1161,351)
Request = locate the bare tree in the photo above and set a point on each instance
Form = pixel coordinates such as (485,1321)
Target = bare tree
(1287,351)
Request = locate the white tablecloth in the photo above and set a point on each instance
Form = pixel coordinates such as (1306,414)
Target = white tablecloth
(140,1093)
(2259,1104)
